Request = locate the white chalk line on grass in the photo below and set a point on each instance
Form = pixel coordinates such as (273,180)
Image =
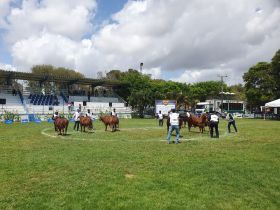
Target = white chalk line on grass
(43,132)
(199,138)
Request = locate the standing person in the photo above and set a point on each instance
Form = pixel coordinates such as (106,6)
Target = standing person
(160,119)
(174,125)
(76,117)
(55,115)
(88,114)
(231,121)
(214,122)
(69,107)
(114,113)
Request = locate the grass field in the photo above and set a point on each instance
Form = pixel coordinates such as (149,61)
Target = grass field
(135,169)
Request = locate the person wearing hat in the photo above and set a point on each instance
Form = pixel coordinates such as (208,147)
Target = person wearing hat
(76,117)
(174,125)
(214,122)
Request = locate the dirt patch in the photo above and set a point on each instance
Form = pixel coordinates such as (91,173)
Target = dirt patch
(129,176)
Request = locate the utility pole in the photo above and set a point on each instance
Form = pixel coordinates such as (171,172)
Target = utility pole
(222,93)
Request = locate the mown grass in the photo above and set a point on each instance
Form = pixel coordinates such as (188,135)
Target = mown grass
(135,169)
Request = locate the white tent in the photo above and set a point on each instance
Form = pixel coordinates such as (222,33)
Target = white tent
(275,103)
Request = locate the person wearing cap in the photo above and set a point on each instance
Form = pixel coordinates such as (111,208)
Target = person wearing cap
(231,121)
(214,122)
(76,117)
(174,125)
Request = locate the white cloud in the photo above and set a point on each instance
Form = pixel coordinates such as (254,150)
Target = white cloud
(64,17)
(155,73)
(4,11)
(166,35)
(7,67)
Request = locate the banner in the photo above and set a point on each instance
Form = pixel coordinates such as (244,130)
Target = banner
(165,106)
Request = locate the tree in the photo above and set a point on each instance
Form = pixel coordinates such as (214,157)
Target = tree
(259,85)
(114,75)
(139,91)
(209,89)
(239,91)
(275,65)
(49,70)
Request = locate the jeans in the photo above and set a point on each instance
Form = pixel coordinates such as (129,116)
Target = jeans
(171,129)
(160,122)
(232,123)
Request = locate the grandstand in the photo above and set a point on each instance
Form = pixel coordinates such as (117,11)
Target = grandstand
(30,102)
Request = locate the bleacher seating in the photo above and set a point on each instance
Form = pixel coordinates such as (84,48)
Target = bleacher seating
(13,103)
(64,97)
(26,103)
(94,99)
(41,100)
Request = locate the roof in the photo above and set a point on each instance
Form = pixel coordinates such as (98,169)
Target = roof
(275,103)
(59,79)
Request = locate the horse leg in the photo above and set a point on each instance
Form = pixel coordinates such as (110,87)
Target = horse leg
(66,129)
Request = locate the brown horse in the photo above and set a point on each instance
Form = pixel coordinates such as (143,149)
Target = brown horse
(61,125)
(197,122)
(110,120)
(181,121)
(85,121)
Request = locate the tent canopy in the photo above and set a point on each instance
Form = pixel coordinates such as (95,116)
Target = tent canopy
(275,103)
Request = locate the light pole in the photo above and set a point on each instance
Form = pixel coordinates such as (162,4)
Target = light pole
(222,93)
(141,67)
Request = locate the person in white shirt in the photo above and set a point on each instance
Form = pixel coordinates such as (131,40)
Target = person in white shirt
(113,113)
(76,117)
(88,114)
(160,119)
(55,115)
(214,122)
(174,125)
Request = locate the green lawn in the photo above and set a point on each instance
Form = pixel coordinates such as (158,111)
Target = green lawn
(135,169)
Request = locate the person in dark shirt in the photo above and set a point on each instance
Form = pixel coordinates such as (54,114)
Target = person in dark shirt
(231,121)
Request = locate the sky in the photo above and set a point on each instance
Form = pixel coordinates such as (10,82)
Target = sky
(185,41)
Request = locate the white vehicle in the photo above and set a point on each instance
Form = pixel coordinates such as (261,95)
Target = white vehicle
(202,107)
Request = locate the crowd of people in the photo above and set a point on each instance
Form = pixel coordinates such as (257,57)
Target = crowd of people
(212,122)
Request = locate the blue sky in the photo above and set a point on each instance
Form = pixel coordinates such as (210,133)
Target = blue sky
(4,52)
(104,11)
(176,40)
(108,7)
